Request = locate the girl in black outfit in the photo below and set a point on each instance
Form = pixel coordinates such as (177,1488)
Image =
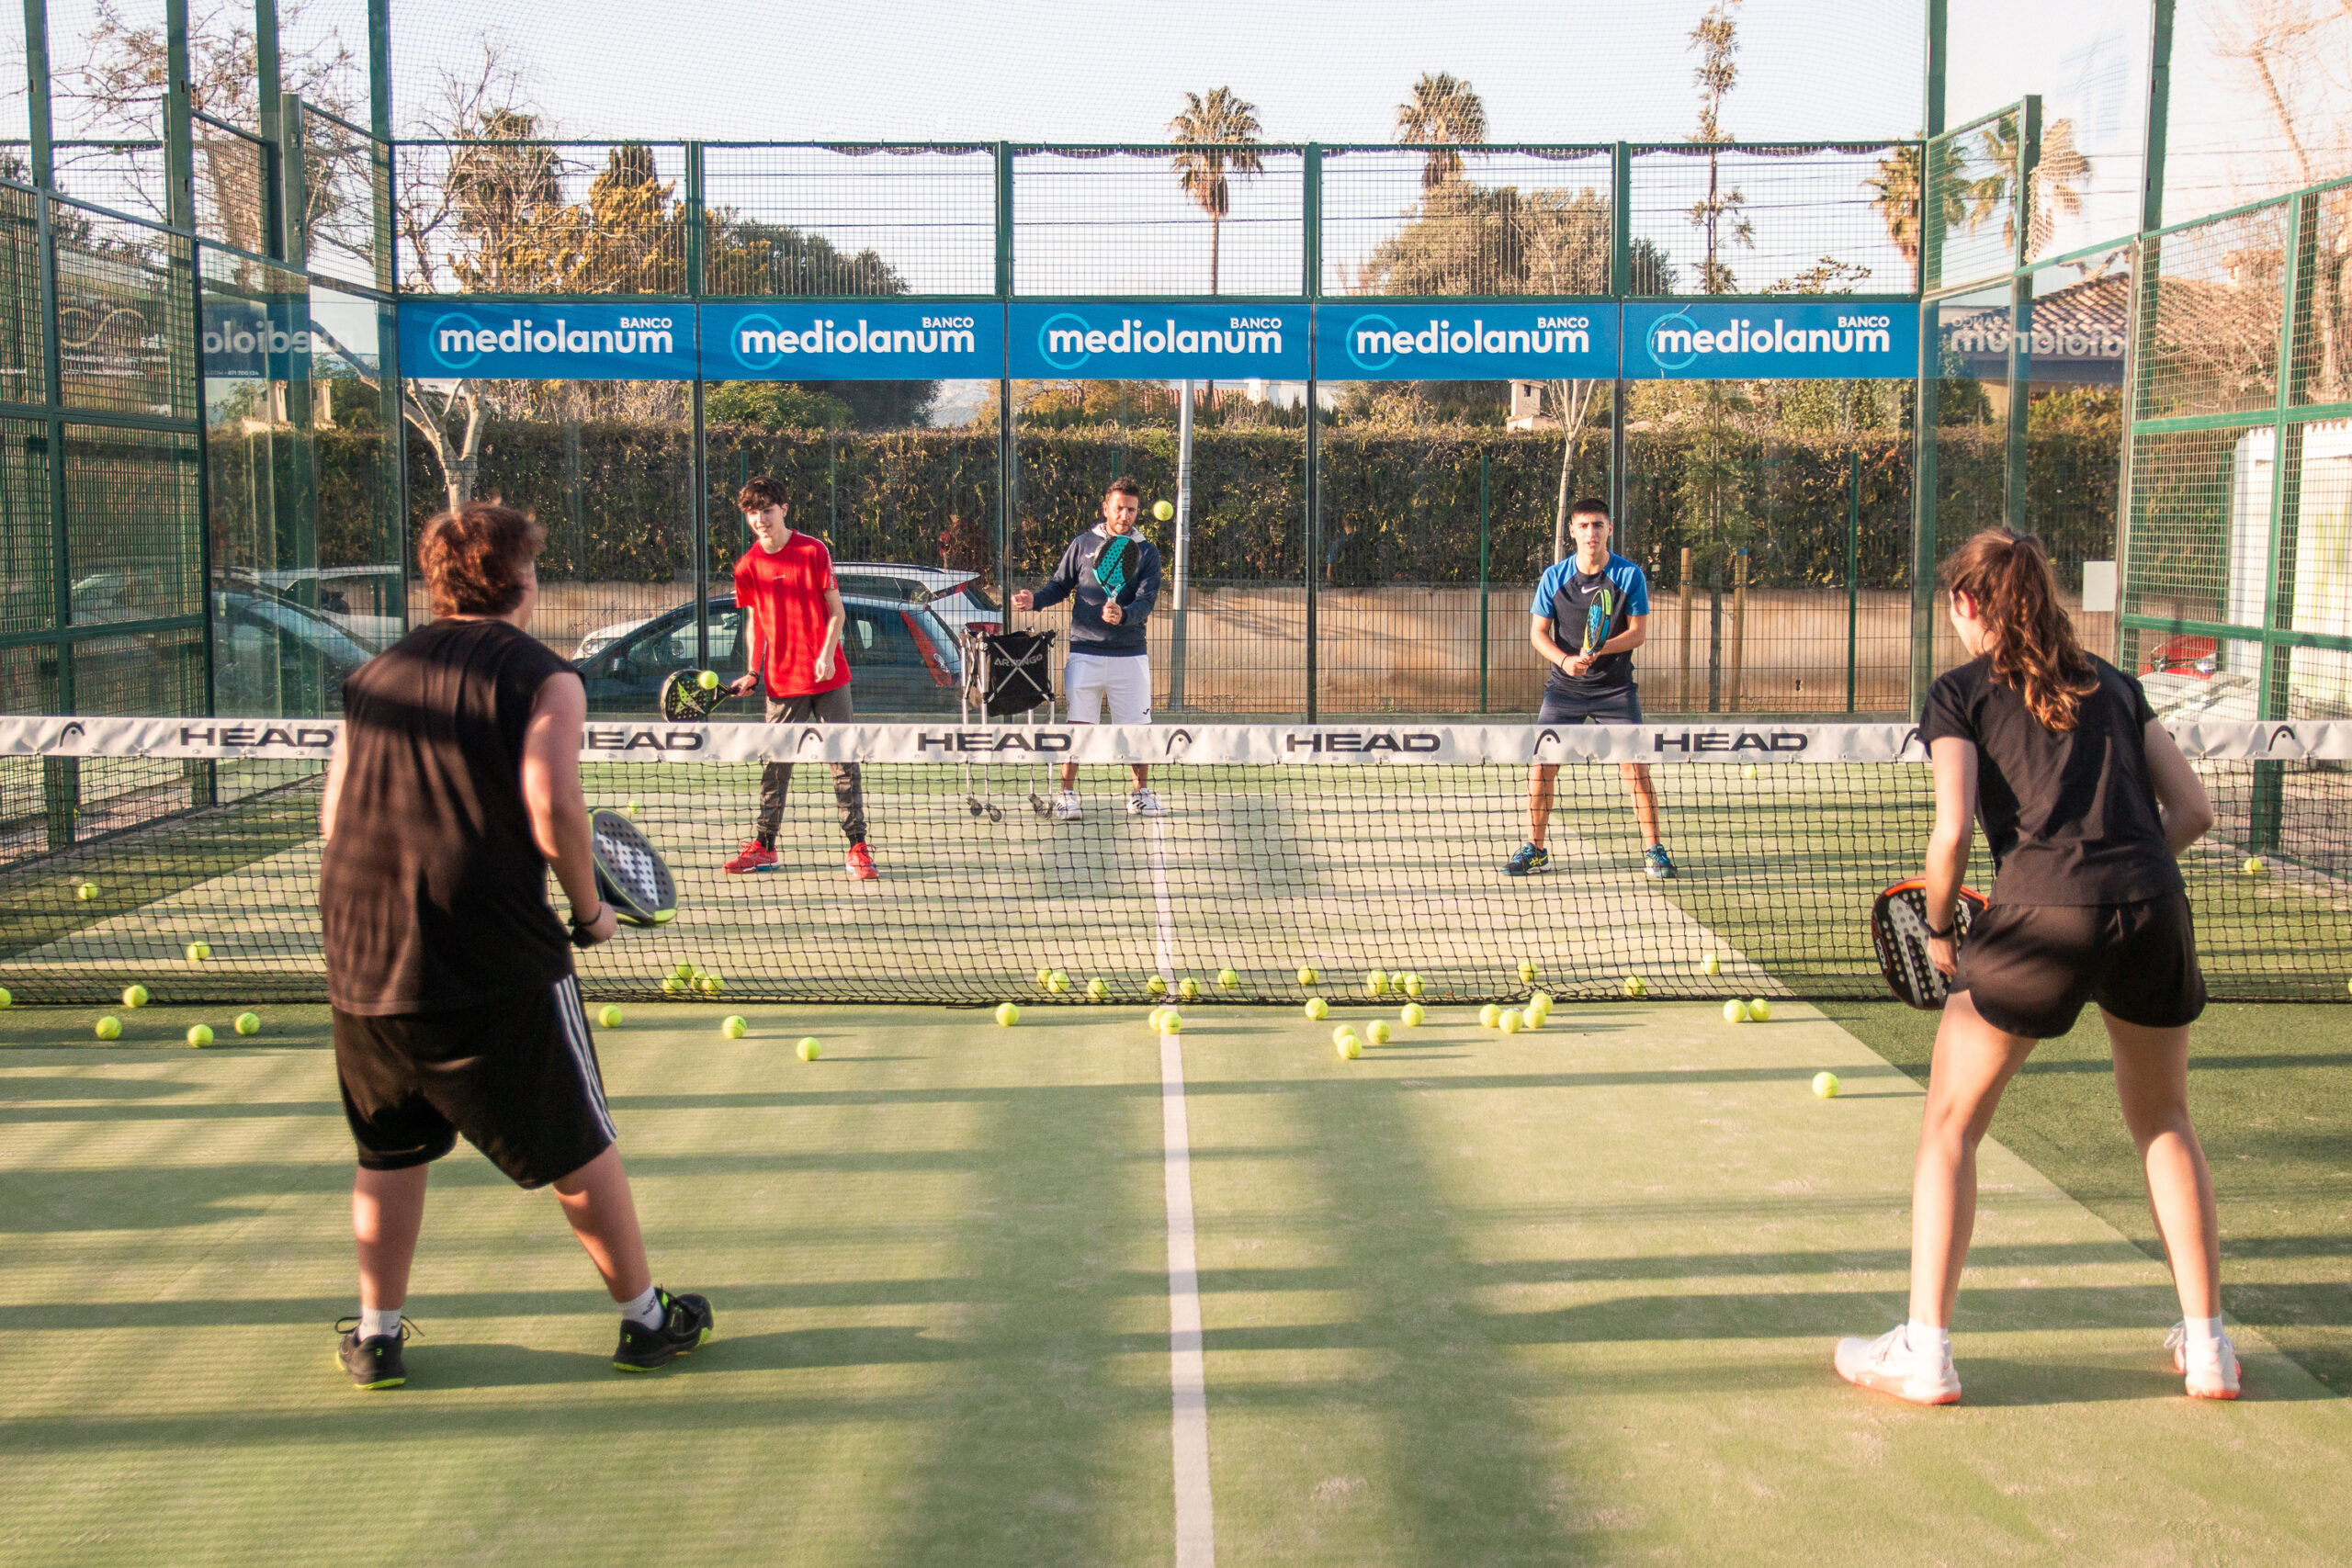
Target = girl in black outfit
(2086,804)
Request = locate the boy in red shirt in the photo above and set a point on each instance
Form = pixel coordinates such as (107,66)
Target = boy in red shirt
(792,617)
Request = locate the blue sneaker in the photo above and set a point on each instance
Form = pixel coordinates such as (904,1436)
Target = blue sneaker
(1531,861)
(1658,862)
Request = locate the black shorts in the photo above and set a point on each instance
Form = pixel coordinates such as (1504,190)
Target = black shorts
(518,1078)
(2030,968)
(1620,705)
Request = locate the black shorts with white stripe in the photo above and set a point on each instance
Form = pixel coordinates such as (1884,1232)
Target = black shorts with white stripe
(517,1076)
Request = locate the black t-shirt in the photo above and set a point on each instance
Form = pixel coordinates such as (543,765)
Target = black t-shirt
(433,893)
(2071,818)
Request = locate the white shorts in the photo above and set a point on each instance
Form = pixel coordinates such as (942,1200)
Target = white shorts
(1092,680)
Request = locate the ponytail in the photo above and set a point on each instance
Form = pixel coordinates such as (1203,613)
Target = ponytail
(2028,638)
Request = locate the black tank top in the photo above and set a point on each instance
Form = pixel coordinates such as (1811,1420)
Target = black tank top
(433,893)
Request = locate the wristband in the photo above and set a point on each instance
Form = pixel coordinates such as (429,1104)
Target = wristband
(1943,935)
(581,926)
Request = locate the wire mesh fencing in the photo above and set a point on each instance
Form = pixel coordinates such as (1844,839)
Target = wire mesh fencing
(849,221)
(1760,218)
(1472,221)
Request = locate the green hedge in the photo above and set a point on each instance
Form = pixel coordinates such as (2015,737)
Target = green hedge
(1398,506)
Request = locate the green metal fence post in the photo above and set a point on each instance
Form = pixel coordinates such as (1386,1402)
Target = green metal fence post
(695,283)
(2267,808)
(269,94)
(2020,357)
(1853,569)
(1484,512)
(1923,504)
(1008,469)
(36,101)
(1311,221)
(2159,116)
(1621,222)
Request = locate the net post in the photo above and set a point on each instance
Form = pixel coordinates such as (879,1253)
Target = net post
(1483,517)
(1682,677)
(1738,625)
(61,799)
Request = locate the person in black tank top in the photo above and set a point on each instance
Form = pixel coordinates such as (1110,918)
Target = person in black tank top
(454,789)
(2086,805)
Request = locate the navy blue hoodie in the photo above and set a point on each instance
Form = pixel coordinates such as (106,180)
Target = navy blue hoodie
(1089,633)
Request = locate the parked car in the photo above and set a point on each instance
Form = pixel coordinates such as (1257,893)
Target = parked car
(273,656)
(958,598)
(902,658)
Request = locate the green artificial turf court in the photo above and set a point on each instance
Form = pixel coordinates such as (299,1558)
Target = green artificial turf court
(1562,1297)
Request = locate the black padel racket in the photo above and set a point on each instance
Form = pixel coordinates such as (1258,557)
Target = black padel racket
(1110,569)
(630,873)
(1899,930)
(684,699)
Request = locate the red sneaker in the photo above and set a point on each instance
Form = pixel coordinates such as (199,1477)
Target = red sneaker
(756,856)
(859,865)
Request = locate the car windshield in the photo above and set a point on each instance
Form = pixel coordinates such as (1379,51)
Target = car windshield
(977,592)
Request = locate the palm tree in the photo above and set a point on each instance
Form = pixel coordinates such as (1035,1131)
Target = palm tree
(1216,132)
(2056,187)
(1443,109)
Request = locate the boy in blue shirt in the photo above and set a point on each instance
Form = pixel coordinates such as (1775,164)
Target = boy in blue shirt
(1590,612)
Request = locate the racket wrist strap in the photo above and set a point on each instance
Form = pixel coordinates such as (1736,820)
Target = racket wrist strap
(593,915)
(1943,935)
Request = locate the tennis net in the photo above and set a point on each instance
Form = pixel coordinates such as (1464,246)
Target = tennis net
(1282,848)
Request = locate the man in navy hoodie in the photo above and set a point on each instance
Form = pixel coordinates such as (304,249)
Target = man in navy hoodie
(1114,572)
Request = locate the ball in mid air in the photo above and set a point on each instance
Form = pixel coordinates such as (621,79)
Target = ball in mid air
(1007,1015)
(87,891)
(807,1050)
(1413,1014)
(1307,975)
(1317,1008)
(248,1023)
(2254,866)
(1760,1010)
(629,808)
(736,1027)
(708,680)
(1227,979)
(610,1018)
(1490,1015)
(109,1028)
(199,1035)
(1189,989)
(1380,1033)
(1163,510)
(1734,1011)
(1826,1085)
(1710,965)
(197,952)
(134,996)
(1349,1047)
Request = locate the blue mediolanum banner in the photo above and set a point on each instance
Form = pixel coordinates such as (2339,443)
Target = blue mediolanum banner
(1093,340)
(1426,342)
(1696,341)
(852,341)
(442,339)
(253,340)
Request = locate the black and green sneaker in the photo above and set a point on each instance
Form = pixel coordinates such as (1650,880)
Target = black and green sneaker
(686,1324)
(373,1363)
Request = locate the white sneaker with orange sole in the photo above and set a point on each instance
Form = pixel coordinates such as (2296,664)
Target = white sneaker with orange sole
(2209,1377)
(1890,1365)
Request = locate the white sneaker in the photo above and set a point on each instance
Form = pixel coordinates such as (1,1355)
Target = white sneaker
(2209,1377)
(1065,806)
(1890,1365)
(1143,803)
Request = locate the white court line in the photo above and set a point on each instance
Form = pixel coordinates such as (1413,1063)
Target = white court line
(1187,1371)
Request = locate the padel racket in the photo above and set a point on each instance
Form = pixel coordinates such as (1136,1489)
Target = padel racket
(630,873)
(684,699)
(1596,621)
(1899,931)
(1110,569)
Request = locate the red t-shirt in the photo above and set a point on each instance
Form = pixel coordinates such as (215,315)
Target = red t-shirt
(781,597)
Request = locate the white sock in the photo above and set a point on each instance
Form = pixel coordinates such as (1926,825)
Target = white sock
(2204,1334)
(378,1323)
(645,1311)
(1926,1340)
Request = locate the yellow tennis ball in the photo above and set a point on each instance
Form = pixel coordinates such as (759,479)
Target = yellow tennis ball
(1317,1008)
(248,1023)
(809,1050)
(1826,1085)
(199,1035)
(708,680)
(1057,982)
(1490,1015)
(1749,771)
(1171,1023)
(109,1028)
(1710,965)
(1542,999)
(1007,1015)
(1163,510)
(611,1017)
(1380,1033)
(1760,1010)
(1307,975)
(2253,866)
(87,891)
(1349,1048)
(1157,986)
(1341,1031)
(671,984)
(683,972)
(1097,988)
(1636,986)
(6,1001)
(1412,985)
(1510,1023)
(1189,989)
(1413,1014)
(1375,983)
(1734,1011)
(1527,972)
(1227,979)
(736,1027)
(197,952)
(629,808)
(134,996)
(1531,1017)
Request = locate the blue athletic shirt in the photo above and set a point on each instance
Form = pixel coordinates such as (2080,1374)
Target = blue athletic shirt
(1586,612)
